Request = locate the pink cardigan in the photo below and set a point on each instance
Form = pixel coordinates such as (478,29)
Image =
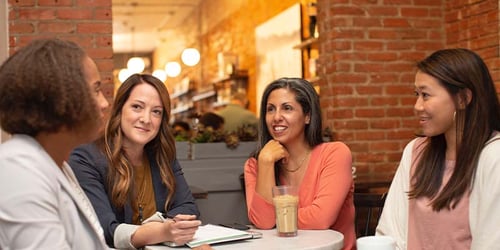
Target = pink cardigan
(325,194)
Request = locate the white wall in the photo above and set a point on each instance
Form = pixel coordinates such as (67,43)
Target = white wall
(4,45)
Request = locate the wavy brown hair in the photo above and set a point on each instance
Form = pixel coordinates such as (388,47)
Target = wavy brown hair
(43,88)
(458,71)
(161,148)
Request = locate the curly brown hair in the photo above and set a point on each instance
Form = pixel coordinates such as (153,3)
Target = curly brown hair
(43,88)
(162,147)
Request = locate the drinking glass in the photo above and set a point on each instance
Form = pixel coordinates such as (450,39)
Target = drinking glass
(286,201)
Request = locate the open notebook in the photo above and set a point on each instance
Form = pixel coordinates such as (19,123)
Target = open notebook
(211,234)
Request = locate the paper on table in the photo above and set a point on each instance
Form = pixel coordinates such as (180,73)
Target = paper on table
(210,234)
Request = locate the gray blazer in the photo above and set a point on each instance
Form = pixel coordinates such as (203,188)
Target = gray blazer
(42,207)
(91,168)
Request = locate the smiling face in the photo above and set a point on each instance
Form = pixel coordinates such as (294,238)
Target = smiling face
(285,118)
(434,106)
(141,116)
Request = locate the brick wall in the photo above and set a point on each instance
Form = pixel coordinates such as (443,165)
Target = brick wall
(368,50)
(86,22)
(475,26)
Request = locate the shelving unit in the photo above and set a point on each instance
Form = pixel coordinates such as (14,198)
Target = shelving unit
(181,98)
(310,55)
(186,101)
(225,87)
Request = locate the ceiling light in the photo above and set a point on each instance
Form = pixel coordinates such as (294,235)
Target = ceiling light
(136,65)
(124,74)
(160,74)
(190,56)
(173,69)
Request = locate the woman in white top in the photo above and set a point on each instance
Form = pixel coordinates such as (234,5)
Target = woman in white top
(50,101)
(446,191)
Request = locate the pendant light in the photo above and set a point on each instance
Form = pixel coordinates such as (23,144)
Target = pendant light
(190,56)
(160,74)
(173,69)
(135,64)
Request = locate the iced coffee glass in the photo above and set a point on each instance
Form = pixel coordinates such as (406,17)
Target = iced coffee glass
(286,201)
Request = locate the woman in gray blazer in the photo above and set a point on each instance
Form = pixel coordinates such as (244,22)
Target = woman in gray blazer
(130,174)
(50,101)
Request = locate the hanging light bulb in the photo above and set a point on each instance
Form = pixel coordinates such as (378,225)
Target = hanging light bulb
(190,56)
(160,74)
(124,74)
(173,69)
(136,65)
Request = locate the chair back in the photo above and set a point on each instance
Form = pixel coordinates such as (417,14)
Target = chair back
(368,209)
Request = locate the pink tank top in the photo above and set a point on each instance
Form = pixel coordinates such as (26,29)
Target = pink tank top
(446,229)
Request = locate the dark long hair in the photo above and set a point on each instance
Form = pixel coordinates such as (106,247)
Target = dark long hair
(308,99)
(161,148)
(458,71)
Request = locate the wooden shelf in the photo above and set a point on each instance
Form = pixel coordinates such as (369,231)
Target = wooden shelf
(306,43)
(180,93)
(180,110)
(203,95)
(219,104)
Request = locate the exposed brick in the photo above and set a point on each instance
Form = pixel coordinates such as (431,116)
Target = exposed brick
(21,28)
(29,20)
(22,3)
(68,14)
(369,112)
(56,27)
(55,3)
(102,14)
(95,28)
(36,14)
(94,3)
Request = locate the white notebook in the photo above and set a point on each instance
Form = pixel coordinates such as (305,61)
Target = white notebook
(211,234)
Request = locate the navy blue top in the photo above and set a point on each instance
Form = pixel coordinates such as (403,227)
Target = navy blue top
(90,166)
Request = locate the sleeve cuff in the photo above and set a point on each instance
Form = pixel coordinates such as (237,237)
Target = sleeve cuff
(123,235)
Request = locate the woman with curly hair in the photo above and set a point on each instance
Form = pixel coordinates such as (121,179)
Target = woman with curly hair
(51,102)
(131,173)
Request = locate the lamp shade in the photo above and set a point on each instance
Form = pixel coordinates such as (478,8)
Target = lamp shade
(124,74)
(136,65)
(190,56)
(173,69)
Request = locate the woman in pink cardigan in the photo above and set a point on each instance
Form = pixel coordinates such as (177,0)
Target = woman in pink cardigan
(291,151)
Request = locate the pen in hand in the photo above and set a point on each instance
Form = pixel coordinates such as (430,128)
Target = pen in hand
(180,217)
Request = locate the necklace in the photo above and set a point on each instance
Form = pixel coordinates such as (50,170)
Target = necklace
(299,165)
(142,191)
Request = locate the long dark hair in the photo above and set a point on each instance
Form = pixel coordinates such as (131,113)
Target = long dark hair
(308,99)
(161,148)
(458,71)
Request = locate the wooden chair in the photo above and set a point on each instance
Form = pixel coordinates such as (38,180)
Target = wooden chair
(368,209)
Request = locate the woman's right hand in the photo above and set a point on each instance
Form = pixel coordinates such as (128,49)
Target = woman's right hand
(272,152)
(181,228)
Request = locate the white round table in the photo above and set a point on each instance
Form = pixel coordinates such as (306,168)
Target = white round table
(305,239)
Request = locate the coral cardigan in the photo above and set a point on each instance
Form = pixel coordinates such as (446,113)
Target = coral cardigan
(325,194)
